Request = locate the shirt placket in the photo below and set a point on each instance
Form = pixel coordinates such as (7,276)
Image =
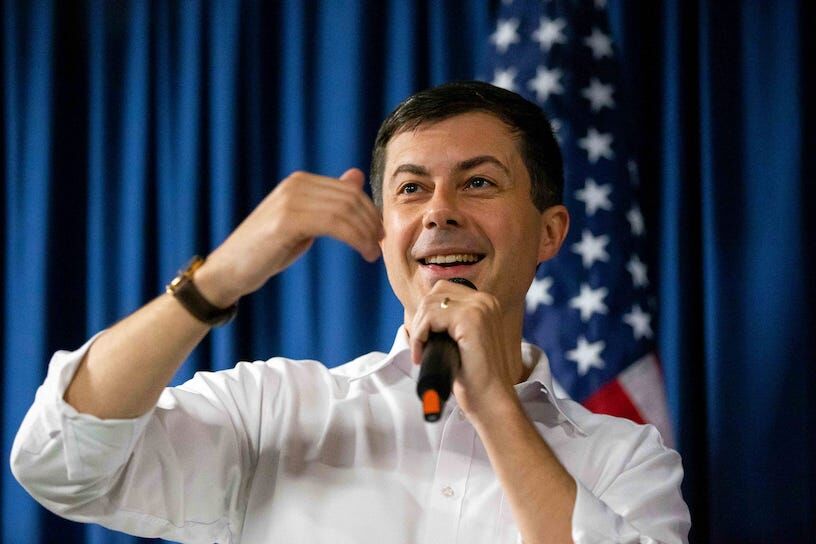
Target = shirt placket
(450,479)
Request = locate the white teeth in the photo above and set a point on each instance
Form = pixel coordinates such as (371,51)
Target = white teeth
(458,258)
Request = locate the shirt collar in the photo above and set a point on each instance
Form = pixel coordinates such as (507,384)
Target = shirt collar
(538,383)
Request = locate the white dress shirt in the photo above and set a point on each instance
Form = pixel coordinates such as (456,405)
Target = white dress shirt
(290,451)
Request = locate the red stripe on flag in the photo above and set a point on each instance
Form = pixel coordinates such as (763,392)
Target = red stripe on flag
(611,399)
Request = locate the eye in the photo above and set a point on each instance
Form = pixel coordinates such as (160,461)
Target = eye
(478,183)
(409,188)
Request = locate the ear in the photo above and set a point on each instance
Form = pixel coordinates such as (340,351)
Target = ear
(554,227)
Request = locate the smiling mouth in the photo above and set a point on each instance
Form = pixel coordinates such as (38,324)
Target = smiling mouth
(452,260)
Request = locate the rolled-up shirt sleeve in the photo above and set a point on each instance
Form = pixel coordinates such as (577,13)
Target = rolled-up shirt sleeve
(642,504)
(180,471)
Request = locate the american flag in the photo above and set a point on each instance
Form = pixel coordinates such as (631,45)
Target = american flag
(591,308)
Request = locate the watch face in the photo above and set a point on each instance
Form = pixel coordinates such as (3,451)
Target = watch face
(174,284)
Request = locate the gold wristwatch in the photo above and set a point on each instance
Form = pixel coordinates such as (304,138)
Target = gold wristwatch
(188,295)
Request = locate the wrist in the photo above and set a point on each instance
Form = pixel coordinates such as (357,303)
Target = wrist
(187,293)
(213,282)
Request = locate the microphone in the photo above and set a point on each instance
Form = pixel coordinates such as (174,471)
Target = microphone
(440,362)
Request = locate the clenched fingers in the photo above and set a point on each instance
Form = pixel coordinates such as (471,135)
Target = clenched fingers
(447,307)
(322,206)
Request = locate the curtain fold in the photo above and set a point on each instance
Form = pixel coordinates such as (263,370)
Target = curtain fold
(136,134)
(28,73)
(732,199)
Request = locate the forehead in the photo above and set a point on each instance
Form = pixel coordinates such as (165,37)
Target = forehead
(454,139)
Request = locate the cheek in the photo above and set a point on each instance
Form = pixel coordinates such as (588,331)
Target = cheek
(523,237)
(397,241)
(396,247)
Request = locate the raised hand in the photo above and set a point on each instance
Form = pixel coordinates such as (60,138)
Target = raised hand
(284,225)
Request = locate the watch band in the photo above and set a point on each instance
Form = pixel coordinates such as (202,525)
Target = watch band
(185,291)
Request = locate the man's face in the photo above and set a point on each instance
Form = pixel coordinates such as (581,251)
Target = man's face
(456,203)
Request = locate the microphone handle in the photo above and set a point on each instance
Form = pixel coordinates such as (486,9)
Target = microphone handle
(440,362)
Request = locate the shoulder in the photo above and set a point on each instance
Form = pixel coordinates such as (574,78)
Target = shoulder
(617,446)
(284,373)
(612,430)
(361,366)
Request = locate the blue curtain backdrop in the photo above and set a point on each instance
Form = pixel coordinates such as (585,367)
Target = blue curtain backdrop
(135,134)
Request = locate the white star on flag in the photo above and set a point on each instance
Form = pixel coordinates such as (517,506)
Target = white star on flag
(638,271)
(640,322)
(600,44)
(591,248)
(594,196)
(545,83)
(590,301)
(635,219)
(556,127)
(597,145)
(550,32)
(599,95)
(587,355)
(539,293)
(506,34)
(506,79)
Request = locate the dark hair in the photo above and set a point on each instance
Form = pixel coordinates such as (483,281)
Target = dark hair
(538,147)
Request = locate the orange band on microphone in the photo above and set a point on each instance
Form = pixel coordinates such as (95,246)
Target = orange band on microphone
(431,404)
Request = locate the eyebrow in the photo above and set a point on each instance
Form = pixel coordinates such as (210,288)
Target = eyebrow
(409,168)
(480,160)
(465,165)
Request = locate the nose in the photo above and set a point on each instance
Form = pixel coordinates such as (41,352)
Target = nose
(443,210)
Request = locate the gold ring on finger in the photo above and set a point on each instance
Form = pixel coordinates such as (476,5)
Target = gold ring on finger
(444,304)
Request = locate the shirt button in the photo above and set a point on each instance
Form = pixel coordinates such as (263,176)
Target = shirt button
(461,415)
(447,491)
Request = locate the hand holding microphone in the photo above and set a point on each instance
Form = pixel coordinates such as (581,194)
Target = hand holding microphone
(440,362)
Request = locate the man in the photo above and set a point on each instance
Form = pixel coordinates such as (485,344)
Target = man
(467,183)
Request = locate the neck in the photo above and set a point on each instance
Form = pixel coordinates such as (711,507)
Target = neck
(513,332)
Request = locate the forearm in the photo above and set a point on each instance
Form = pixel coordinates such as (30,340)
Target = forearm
(105,471)
(541,493)
(130,364)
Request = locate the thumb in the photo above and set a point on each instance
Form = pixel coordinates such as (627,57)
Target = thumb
(354,176)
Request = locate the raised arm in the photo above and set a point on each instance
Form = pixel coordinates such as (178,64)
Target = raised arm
(128,366)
